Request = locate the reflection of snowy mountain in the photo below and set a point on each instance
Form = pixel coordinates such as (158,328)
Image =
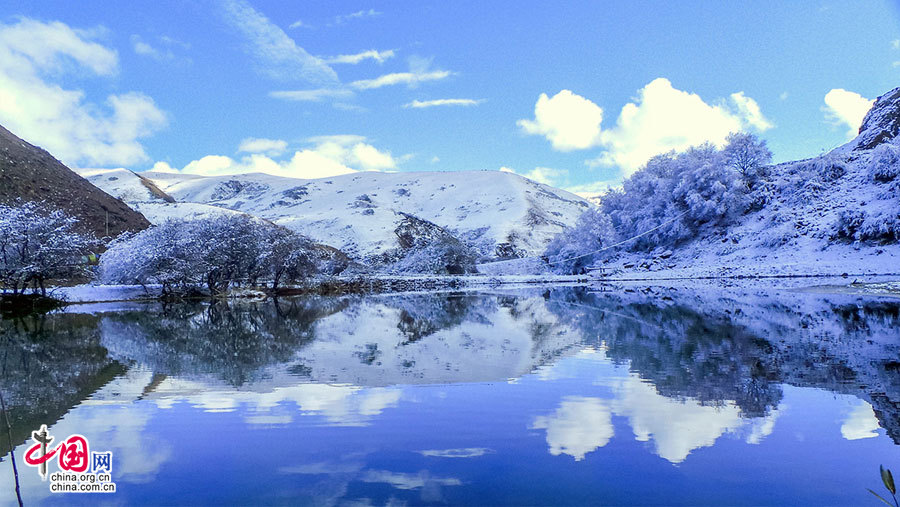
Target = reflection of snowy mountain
(366,342)
(499,213)
(572,374)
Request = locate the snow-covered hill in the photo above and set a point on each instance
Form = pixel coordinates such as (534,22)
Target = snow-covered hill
(145,196)
(500,214)
(829,215)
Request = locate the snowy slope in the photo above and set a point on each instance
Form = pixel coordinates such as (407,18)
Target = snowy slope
(501,214)
(148,198)
(828,215)
(124,184)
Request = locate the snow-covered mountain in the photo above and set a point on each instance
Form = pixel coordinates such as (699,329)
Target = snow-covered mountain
(498,213)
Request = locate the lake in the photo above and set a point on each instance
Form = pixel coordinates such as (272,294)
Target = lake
(564,395)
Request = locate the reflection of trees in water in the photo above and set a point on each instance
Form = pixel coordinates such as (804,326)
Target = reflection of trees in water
(48,364)
(683,352)
(233,340)
(422,315)
(711,347)
(740,347)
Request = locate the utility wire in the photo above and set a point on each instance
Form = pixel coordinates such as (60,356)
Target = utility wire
(620,243)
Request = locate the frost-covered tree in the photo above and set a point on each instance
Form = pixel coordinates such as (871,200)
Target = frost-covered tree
(215,253)
(709,190)
(445,255)
(669,200)
(287,256)
(38,244)
(582,245)
(748,155)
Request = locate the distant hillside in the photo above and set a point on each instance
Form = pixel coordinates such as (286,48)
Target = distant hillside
(32,174)
(499,214)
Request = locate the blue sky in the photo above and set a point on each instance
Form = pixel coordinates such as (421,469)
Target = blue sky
(319,88)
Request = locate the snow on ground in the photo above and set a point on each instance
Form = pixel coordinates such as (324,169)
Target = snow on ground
(159,212)
(89,293)
(792,236)
(123,184)
(359,212)
(804,258)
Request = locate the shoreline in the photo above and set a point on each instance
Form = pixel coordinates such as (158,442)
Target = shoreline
(874,284)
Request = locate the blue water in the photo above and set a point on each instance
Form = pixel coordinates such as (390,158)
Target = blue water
(562,396)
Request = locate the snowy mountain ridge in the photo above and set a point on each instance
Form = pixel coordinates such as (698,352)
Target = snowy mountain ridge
(497,213)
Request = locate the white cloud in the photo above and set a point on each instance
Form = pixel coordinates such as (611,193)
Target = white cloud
(860,423)
(370,159)
(665,119)
(435,159)
(408,481)
(48,47)
(676,427)
(580,425)
(270,147)
(545,175)
(338,20)
(783,96)
(407,78)
(311,95)
(144,49)
(443,102)
(163,167)
(848,108)
(353,151)
(276,54)
(339,405)
(895,44)
(35,107)
(569,121)
(299,24)
(164,54)
(342,139)
(307,164)
(328,156)
(372,54)
(343,106)
(749,110)
(593,189)
(468,452)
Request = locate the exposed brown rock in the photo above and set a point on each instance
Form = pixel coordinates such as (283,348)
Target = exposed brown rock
(30,173)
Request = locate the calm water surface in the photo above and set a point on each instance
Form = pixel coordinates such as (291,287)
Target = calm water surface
(561,396)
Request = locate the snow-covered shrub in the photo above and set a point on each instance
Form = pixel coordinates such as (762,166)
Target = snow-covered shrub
(749,156)
(671,199)
(217,253)
(38,244)
(825,168)
(572,250)
(857,225)
(884,164)
(673,196)
(667,201)
(884,228)
(446,256)
(709,189)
